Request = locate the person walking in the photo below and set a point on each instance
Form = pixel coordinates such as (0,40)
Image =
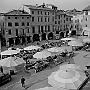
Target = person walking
(1,69)
(23,81)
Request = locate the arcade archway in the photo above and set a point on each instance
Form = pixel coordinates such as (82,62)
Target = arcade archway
(73,32)
(44,36)
(50,36)
(17,41)
(62,35)
(11,41)
(36,37)
(67,32)
(23,39)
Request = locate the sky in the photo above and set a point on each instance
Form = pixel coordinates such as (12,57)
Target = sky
(8,5)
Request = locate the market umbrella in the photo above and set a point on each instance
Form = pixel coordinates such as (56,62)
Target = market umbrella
(50,88)
(11,61)
(55,49)
(75,43)
(72,66)
(86,40)
(42,54)
(68,38)
(60,49)
(31,47)
(68,79)
(10,52)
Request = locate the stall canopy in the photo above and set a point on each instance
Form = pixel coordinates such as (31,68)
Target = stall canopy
(32,47)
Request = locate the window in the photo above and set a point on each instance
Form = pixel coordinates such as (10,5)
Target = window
(15,17)
(32,12)
(45,19)
(66,19)
(86,25)
(33,29)
(45,28)
(27,17)
(38,29)
(16,24)
(70,19)
(41,19)
(27,23)
(58,16)
(38,12)
(75,26)
(86,19)
(8,17)
(32,19)
(23,31)
(3,24)
(58,22)
(45,13)
(3,32)
(22,17)
(27,30)
(9,24)
(64,26)
(52,13)
(41,12)
(48,13)
(55,22)
(52,19)
(48,28)
(48,19)
(38,19)
(16,32)
(9,31)
(86,13)
(23,24)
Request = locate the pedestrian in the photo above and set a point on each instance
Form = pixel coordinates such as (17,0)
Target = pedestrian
(1,69)
(23,81)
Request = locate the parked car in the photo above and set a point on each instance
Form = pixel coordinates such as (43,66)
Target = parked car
(4,78)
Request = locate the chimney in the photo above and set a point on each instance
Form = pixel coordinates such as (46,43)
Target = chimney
(36,5)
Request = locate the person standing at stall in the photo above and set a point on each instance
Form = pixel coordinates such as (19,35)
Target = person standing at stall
(23,81)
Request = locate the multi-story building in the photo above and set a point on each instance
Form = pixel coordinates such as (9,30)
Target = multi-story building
(86,21)
(76,25)
(16,27)
(62,22)
(42,21)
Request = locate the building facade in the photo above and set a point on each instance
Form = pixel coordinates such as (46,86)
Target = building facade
(42,21)
(62,23)
(86,21)
(76,25)
(16,27)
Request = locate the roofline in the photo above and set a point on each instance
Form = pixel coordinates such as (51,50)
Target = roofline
(18,15)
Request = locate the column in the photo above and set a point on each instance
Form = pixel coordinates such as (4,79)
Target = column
(64,34)
(7,42)
(46,37)
(14,41)
(40,37)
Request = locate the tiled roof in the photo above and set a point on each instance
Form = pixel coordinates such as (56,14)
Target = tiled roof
(38,7)
(17,12)
(73,12)
(87,8)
